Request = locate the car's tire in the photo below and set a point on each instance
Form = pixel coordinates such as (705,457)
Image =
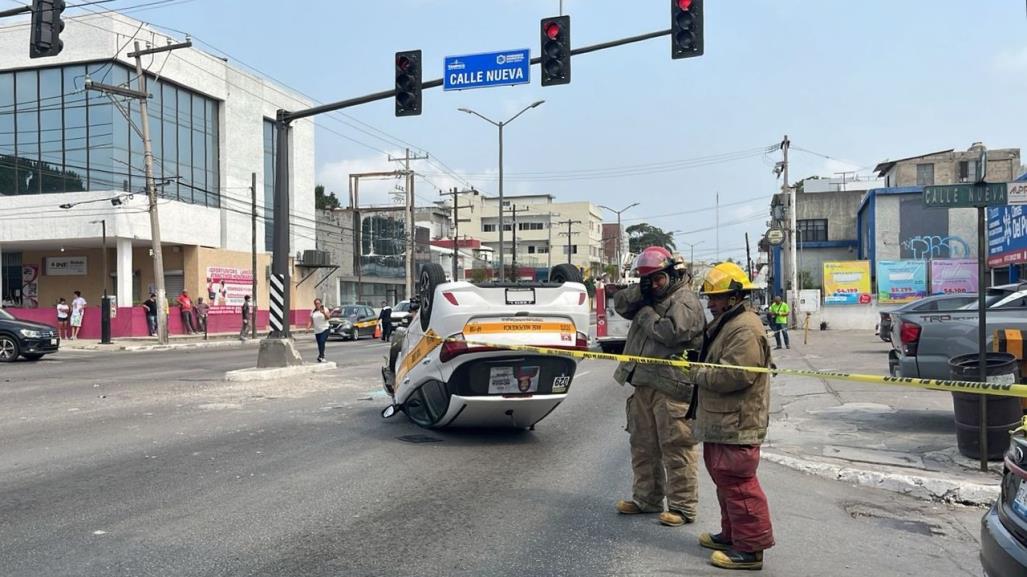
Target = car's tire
(9,349)
(565,272)
(430,278)
(32,356)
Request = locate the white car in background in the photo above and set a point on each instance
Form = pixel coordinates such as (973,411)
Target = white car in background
(444,371)
(400,314)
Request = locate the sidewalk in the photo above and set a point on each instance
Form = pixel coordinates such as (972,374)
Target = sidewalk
(884,436)
(197,341)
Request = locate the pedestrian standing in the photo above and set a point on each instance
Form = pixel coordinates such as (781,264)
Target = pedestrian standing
(780,310)
(202,309)
(385,319)
(150,305)
(732,411)
(319,322)
(185,305)
(78,314)
(63,314)
(245,330)
(666,319)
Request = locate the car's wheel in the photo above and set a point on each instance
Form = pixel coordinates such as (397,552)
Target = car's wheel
(9,349)
(431,277)
(565,272)
(32,356)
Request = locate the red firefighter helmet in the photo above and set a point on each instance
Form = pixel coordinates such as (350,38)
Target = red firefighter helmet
(652,260)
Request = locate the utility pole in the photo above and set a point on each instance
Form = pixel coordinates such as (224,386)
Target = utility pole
(455,194)
(570,223)
(748,257)
(412,228)
(253,255)
(513,232)
(792,224)
(151,189)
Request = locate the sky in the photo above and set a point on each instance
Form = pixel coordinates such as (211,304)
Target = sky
(851,84)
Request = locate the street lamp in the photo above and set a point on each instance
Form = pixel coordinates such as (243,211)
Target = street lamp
(691,255)
(105,310)
(620,232)
(500,125)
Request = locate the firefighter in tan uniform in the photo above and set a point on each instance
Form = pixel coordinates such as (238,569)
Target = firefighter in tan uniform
(666,320)
(732,410)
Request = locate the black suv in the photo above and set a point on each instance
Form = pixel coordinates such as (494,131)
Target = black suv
(24,338)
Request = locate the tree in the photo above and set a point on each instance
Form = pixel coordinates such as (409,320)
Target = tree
(322,202)
(644,235)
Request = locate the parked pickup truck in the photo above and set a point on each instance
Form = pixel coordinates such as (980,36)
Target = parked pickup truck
(923,342)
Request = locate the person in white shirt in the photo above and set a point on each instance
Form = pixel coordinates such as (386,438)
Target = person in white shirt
(319,322)
(63,312)
(78,312)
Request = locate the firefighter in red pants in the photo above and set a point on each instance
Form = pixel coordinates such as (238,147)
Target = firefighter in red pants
(732,410)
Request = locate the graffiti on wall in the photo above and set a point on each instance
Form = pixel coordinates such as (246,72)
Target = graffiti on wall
(935,246)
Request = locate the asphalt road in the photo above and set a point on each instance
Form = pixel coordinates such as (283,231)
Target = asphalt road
(117,463)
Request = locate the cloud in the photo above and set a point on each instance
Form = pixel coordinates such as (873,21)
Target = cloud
(1012,61)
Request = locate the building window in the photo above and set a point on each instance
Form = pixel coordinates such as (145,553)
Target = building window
(967,171)
(574,249)
(530,226)
(812,230)
(542,249)
(925,174)
(270,150)
(507,227)
(531,249)
(11,279)
(57,137)
(488,228)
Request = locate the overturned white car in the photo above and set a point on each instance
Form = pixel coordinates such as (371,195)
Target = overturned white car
(442,371)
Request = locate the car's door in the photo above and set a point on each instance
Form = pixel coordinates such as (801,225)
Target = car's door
(368,321)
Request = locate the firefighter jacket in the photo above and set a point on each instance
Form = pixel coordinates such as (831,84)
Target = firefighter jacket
(732,406)
(662,329)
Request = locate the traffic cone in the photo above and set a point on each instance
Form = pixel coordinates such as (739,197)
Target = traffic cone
(378,330)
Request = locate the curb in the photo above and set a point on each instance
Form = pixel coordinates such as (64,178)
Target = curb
(195,345)
(918,486)
(267,374)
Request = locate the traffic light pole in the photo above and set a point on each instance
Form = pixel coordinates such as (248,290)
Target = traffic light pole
(281,280)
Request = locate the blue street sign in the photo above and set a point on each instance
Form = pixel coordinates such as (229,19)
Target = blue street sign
(504,68)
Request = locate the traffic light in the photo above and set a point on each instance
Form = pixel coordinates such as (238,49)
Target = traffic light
(685,28)
(408,83)
(556,50)
(46,28)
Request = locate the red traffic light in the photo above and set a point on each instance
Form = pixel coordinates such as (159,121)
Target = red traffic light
(552,30)
(403,63)
(685,4)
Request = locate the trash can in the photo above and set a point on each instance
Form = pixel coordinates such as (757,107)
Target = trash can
(1003,413)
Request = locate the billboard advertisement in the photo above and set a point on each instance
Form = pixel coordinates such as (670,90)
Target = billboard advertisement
(953,276)
(1007,235)
(847,282)
(901,281)
(226,288)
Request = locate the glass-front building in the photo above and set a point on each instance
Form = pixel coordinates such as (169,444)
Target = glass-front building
(55,136)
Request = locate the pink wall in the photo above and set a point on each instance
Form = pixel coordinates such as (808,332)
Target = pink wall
(131,322)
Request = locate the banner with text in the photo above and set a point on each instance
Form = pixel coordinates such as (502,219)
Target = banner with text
(950,276)
(847,282)
(226,288)
(901,281)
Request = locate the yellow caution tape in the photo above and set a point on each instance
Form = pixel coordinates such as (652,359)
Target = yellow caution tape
(988,388)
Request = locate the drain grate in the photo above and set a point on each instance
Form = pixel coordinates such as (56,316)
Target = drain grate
(419,439)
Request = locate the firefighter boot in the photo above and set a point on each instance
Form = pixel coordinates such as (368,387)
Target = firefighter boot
(674,518)
(716,542)
(731,559)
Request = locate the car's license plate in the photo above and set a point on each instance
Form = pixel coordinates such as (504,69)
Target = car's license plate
(520,296)
(1020,501)
(53,341)
(513,380)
